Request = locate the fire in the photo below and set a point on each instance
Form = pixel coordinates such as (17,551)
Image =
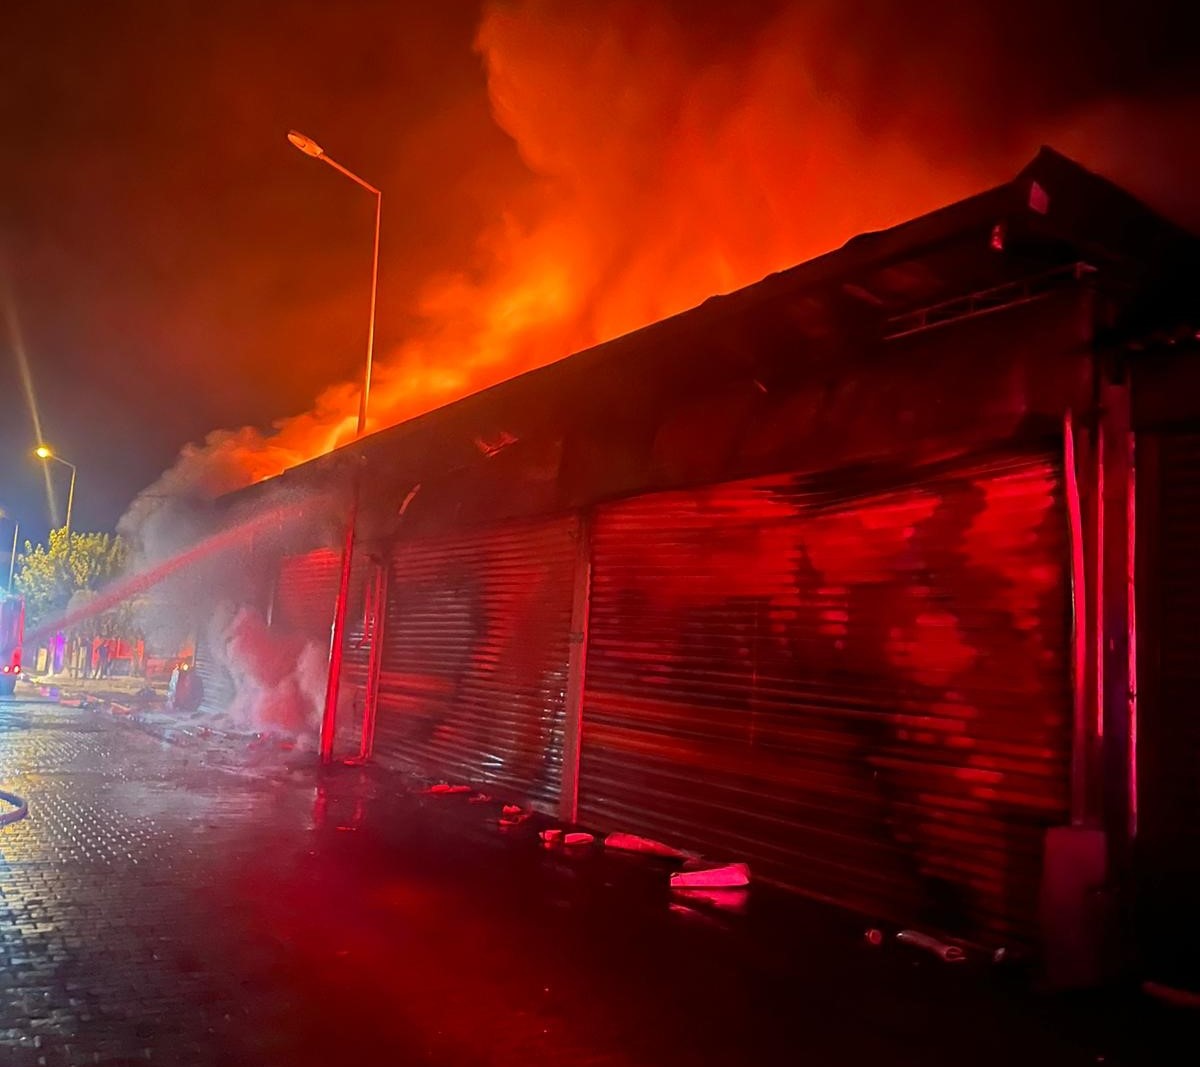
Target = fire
(661,170)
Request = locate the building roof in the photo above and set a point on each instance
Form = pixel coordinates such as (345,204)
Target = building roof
(1053,216)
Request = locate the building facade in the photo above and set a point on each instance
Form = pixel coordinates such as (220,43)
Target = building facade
(851,574)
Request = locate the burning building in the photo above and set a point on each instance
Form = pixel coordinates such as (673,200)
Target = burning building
(847,574)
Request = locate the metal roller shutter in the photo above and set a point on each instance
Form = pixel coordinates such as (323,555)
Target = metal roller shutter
(216,682)
(865,694)
(356,653)
(475,650)
(306,592)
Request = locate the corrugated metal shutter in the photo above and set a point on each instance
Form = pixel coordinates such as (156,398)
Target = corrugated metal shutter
(475,651)
(356,654)
(217,683)
(864,695)
(1169,731)
(306,592)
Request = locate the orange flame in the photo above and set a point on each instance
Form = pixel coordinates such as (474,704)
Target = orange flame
(656,180)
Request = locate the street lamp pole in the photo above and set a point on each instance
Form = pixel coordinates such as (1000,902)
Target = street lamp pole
(333,682)
(44,452)
(12,559)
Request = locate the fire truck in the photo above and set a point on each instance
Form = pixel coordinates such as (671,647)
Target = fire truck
(12,632)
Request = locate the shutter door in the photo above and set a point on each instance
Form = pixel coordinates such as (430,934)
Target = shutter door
(866,697)
(1169,731)
(306,592)
(356,653)
(475,649)
(216,682)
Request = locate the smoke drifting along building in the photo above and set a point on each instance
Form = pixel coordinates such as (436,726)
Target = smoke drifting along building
(847,574)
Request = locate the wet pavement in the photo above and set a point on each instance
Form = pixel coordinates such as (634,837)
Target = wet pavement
(207,902)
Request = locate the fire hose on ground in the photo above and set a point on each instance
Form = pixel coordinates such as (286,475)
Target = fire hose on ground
(19,808)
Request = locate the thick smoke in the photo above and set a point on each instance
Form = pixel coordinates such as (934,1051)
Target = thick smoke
(278,678)
(667,162)
(671,158)
(204,579)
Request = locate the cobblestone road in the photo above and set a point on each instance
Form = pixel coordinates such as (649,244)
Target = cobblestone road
(202,904)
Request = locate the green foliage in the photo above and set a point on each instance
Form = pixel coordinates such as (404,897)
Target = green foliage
(66,573)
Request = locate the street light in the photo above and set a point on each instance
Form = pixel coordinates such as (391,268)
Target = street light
(43,453)
(310,148)
(329,717)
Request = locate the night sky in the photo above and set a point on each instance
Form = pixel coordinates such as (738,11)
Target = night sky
(173,266)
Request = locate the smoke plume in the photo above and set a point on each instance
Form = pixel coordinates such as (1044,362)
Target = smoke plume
(670,158)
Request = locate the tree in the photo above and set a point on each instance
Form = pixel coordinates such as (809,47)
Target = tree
(51,575)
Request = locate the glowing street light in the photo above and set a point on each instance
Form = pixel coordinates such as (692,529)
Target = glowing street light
(310,148)
(43,452)
(329,719)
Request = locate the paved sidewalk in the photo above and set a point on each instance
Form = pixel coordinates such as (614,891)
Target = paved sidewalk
(194,903)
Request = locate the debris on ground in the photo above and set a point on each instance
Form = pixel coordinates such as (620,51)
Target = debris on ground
(945,951)
(513,815)
(480,798)
(445,789)
(578,838)
(551,837)
(645,845)
(710,876)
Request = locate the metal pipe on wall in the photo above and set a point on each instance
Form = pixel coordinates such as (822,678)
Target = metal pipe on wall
(378,609)
(1131,622)
(576,674)
(1079,741)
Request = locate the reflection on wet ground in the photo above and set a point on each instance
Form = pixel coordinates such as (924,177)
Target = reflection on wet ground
(214,904)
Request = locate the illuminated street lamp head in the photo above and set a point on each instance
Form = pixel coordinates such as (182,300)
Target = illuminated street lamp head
(306,144)
(42,452)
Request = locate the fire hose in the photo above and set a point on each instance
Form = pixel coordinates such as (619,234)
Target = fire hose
(20,808)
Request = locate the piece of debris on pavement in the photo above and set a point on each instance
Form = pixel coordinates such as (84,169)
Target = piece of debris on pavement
(445,789)
(945,951)
(513,815)
(645,845)
(711,876)
(551,837)
(578,838)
